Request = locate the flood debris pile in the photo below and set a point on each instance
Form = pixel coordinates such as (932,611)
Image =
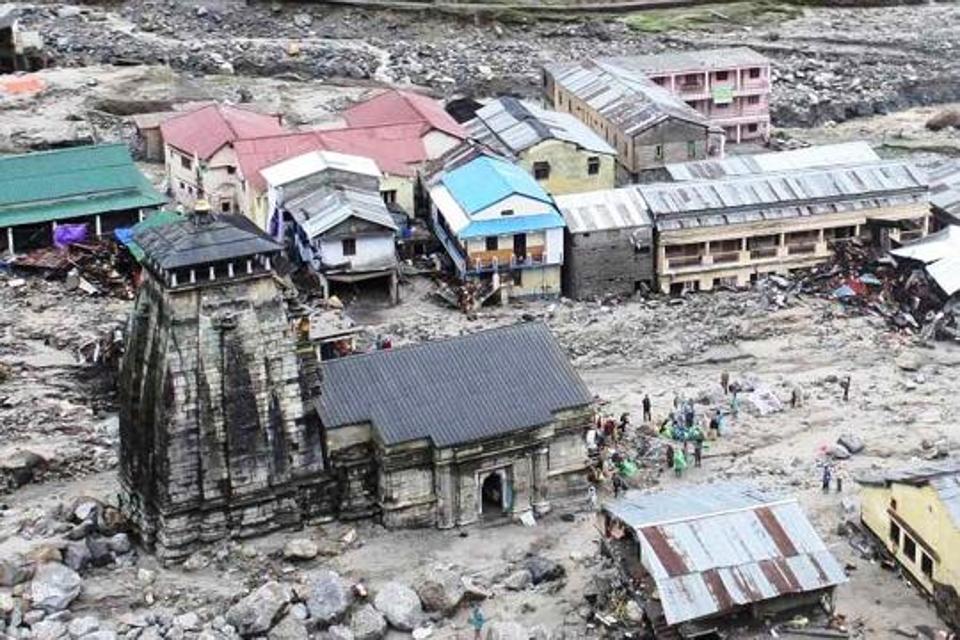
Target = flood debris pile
(97,267)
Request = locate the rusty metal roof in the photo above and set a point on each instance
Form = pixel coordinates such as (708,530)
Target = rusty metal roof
(626,98)
(713,548)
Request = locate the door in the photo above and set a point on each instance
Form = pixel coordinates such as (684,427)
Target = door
(520,247)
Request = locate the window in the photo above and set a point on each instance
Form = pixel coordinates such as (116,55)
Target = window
(389,196)
(658,152)
(753,99)
(755,72)
(225,207)
(692,149)
(910,548)
(349,246)
(926,565)
(541,170)
(186,162)
(231,170)
(895,533)
(492,243)
(720,106)
(506,212)
(723,75)
(593,165)
(752,127)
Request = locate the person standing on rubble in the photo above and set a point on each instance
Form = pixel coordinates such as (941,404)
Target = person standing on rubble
(619,485)
(714,427)
(669,456)
(646,409)
(624,423)
(476,620)
(679,462)
(840,473)
(698,448)
(725,382)
(825,478)
(845,385)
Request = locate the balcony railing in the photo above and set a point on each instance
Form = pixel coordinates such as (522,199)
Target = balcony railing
(692,87)
(763,252)
(726,257)
(488,265)
(684,261)
(805,248)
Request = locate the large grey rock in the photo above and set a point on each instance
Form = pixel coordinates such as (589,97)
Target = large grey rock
(257,612)
(338,632)
(441,591)
(330,597)
(108,634)
(119,543)
(289,628)
(54,586)
(506,631)
(49,630)
(400,605)
(367,623)
(189,621)
(518,580)
(852,443)
(76,555)
(14,569)
(300,549)
(543,569)
(82,626)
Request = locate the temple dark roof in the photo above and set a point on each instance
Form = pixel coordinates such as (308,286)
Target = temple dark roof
(454,391)
(194,241)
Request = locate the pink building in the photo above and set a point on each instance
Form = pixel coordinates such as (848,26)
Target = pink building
(731,87)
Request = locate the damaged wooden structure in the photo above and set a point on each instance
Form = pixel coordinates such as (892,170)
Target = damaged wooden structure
(706,553)
(230,427)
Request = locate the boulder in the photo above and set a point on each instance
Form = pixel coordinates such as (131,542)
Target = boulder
(400,605)
(329,598)
(257,612)
(108,634)
(84,508)
(441,591)
(14,569)
(543,569)
(54,586)
(367,623)
(119,543)
(300,549)
(839,452)
(49,630)
(852,443)
(338,632)
(189,621)
(76,555)
(289,628)
(944,119)
(83,625)
(518,580)
(506,631)
(21,466)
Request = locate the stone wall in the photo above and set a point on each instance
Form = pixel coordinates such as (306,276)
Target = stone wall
(215,439)
(606,263)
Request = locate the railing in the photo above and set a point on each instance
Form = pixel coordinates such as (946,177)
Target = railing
(726,257)
(802,249)
(763,252)
(482,265)
(684,261)
(692,88)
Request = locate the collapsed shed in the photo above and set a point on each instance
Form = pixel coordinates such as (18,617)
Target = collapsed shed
(719,550)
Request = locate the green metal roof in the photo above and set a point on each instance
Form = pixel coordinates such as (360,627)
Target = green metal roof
(69,183)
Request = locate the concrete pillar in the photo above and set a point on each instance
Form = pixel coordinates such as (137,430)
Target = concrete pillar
(521,485)
(213,273)
(541,480)
(97,225)
(394,287)
(744,256)
(140,215)
(782,246)
(230,269)
(325,285)
(821,243)
(193,276)
(10,248)
(739,132)
(706,258)
(446,496)
(926,225)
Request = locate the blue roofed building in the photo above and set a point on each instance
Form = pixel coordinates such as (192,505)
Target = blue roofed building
(496,223)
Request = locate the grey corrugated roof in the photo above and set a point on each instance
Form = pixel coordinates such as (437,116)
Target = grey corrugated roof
(189,243)
(456,390)
(826,155)
(512,126)
(325,208)
(621,208)
(943,476)
(713,548)
(945,188)
(627,99)
(768,196)
(691,61)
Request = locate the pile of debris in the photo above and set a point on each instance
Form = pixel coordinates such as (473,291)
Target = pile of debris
(95,268)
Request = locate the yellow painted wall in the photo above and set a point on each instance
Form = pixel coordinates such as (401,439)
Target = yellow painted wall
(568,167)
(922,509)
(404,188)
(537,282)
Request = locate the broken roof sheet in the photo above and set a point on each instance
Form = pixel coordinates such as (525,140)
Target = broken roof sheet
(193,241)
(826,155)
(941,244)
(443,391)
(768,196)
(691,61)
(943,477)
(511,126)
(713,548)
(626,98)
(945,188)
(321,210)
(621,208)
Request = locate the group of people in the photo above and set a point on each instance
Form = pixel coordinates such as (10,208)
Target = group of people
(608,453)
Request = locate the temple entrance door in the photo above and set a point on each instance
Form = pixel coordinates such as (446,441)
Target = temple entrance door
(494,494)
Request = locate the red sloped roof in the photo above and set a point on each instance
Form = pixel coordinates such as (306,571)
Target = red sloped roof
(204,131)
(254,154)
(395,149)
(403,107)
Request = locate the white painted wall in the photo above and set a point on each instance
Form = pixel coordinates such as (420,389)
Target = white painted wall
(555,246)
(373,251)
(521,205)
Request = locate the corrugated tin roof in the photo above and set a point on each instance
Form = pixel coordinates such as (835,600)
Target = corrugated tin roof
(945,188)
(625,98)
(324,209)
(67,183)
(692,61)
(402,107)
(621,208)
(677,205)
(203,132)
(713,548)
(827,155)
(454,391)
(314,162)
(189,242)
(511,126)
(941,244)
(943,476)
(485,181)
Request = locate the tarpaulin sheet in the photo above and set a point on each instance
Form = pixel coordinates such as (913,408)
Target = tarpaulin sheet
(67,234)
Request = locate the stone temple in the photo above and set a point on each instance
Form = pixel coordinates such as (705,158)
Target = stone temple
(231,426)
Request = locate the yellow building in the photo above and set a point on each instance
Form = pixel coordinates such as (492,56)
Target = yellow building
(915,513)
(563,154)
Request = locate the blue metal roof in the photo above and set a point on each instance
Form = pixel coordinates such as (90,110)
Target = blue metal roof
(512,224)
(485,181)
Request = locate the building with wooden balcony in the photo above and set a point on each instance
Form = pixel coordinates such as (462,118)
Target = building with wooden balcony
(730,87)
(730,230)
(496,223)
(647,125)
